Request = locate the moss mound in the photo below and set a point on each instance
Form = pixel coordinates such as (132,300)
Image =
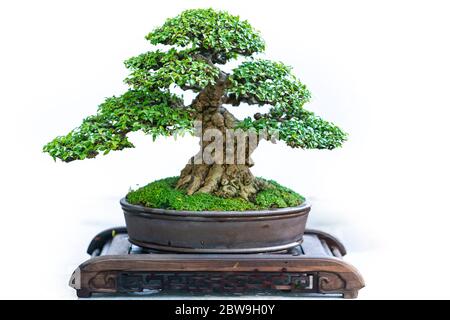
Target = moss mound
(162,194)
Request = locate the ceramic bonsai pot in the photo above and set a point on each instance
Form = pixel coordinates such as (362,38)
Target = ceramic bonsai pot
(215,231)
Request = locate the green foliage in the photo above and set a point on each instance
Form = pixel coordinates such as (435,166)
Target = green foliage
(162,194)
(216,33)
(159,70)
(206,37)
(267,82)
(150,112)
(302,130)
(309,131)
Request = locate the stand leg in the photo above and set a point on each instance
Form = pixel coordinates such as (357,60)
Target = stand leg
(351,294)
(84,293)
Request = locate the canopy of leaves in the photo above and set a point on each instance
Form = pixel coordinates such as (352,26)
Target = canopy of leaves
(303,130)
(217,34)
(206,37)
(159,70)
(151,112)
(267,82)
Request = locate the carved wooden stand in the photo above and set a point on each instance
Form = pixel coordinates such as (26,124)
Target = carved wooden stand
(118,267)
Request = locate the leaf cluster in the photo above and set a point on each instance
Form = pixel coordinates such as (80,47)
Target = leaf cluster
(302,130)
(216,34)
(159,70)
(267,82)
(106,131)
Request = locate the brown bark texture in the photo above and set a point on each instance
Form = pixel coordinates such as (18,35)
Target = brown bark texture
(222,177)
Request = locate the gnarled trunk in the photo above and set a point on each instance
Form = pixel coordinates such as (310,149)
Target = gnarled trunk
(223,176)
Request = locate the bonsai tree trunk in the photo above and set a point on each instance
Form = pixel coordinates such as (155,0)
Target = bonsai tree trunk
(228,173)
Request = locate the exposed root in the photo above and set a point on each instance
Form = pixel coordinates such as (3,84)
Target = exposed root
(228,181)
(213,179)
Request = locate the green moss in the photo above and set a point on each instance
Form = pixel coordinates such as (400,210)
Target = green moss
(278,196)
(163,194)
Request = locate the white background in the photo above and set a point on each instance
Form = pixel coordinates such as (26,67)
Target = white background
(379,69)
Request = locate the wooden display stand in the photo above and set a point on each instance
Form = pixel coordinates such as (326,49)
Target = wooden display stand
(118,267)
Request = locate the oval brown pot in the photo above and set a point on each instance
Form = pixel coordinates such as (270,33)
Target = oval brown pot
(215,231)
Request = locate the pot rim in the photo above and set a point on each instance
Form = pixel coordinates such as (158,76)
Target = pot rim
(302,209)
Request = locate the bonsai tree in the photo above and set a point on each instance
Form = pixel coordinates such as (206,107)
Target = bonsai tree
(197,43)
